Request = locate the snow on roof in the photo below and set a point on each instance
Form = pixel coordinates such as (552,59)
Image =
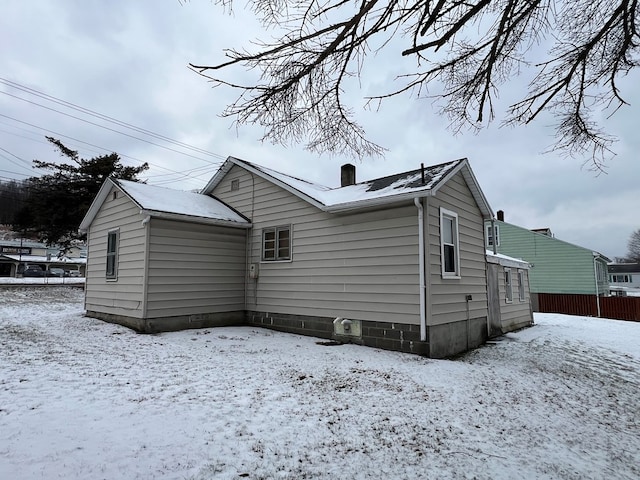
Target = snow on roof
(167,200)
(44,259)
(506,261)
(378,188)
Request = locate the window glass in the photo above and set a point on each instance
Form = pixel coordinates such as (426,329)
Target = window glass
(490,236)
(276,243)
(521,285)
(112,254)
(449,250)
(508,285)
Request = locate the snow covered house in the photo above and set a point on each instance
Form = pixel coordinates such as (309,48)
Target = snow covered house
(396,262)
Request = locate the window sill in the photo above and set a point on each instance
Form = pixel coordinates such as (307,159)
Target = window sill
(451,277)
(269,262)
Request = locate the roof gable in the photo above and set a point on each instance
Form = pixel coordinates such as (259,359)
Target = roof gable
(167,203)
(371,193)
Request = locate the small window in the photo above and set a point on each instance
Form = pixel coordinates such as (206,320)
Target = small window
(276,244)
(491,235)
(235,185)
(112,255)
(508,285)
(521,285)
(449,249)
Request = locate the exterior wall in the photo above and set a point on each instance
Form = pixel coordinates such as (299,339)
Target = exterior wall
(448,296)
(517,313)
(364,266)
(629,270)
(360,266)
(194,269)
(125,295)
(558,266)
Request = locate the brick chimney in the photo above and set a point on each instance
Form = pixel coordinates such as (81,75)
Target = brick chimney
(347,175)
(500,215)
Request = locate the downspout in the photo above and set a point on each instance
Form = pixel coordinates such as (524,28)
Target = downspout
(595,276)
(145,271)
(423,296)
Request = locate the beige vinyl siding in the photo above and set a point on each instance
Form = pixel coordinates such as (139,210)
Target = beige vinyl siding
(194,269)
(448,295)
(516,313)
(361,266)
(123,296)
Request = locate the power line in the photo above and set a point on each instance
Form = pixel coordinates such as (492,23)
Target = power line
(101,116)
(58,134)
(105,127)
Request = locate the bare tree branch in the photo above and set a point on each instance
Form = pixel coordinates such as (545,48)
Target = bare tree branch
(470,48)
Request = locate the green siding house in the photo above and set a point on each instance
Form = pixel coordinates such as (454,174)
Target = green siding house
(556,266)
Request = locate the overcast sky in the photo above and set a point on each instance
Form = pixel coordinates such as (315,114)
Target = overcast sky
(128,60)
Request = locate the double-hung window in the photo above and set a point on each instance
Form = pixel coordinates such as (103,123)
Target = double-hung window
(521,285)
(276,244)
(508,285)
(112,255)
(493,235)
(449,248)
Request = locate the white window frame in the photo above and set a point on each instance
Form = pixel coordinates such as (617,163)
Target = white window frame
(521,294)
(508,286)
(453,216)
(111,267)
(489,237)
(277,231)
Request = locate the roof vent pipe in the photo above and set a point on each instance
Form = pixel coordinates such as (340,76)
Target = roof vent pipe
(500,215)
(422,172)
(347,175)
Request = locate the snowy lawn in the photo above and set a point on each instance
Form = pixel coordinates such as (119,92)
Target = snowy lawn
(82,399)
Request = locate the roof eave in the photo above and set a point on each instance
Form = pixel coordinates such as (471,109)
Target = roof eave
(194,219)
(217,178)
(219,175)
(96,204)
(472,182)
(376,202)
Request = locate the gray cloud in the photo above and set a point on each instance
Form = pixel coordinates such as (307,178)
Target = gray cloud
(129,60)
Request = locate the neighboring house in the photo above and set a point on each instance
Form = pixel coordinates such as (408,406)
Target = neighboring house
(395,263)
(557,266)
(509,297)
(624,276)
(16,255)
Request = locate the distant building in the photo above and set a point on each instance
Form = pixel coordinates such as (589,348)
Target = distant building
(557,267)
(17,255)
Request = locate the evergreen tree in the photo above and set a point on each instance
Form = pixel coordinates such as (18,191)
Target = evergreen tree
(13,194)
(57,202)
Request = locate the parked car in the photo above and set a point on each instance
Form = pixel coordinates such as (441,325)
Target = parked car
(55,272)
(33,271)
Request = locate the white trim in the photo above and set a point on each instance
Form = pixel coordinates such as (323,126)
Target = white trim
(275,229)
(115,255)
(456,274)
(522,294)
(193,219)
(508,285)
(494,237)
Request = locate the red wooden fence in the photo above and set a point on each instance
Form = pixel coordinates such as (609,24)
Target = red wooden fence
(621,308)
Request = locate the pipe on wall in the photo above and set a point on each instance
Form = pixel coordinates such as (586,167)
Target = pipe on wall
(423,287)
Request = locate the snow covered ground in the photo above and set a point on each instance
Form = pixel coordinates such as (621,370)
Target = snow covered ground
(81,399)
